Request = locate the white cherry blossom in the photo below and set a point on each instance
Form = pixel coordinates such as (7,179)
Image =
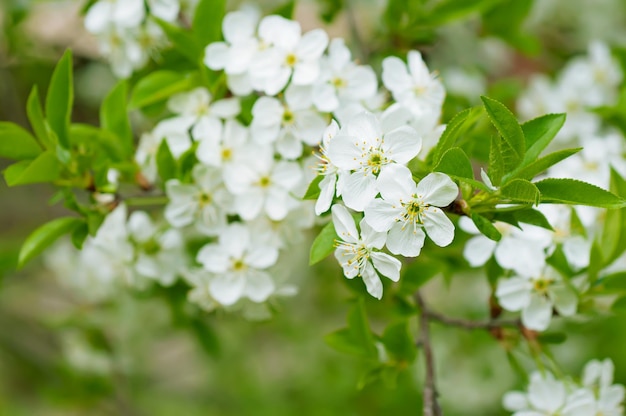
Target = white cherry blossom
(407,209)
(413,86)
(289,55)
(535,295)
(204,203)
(364,149)
(238,265)
(358,252)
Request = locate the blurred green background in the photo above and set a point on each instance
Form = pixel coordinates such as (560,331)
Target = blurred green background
(61,355)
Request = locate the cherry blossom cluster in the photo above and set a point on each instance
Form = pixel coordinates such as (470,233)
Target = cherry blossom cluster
(128,35)
(594,394)
(535,289)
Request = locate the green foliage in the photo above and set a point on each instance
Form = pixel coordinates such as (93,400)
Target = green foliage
(183,41)
(505,20)
(459,126)
(399,343)
(323,245)
(532,169)
(16,143)
(158,86)
(37,119)
(613,236)
(44,236)
(575,192)
(114,117)
(455,162)
(166,164)
(357,339)
(539,132)
(511,144)
(486,227)
(45,168)
(329,9)
(521,190)
(313,190)
(207,21)
(60,99)
(286,9)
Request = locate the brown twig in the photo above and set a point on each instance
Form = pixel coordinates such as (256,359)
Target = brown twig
(466,324)
(431,405)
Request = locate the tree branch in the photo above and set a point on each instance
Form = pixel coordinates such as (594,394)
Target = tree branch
(470,325)
(431,405)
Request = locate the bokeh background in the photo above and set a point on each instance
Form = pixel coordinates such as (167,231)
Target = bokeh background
(63,355)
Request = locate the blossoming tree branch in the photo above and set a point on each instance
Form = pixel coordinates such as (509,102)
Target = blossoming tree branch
(260,132)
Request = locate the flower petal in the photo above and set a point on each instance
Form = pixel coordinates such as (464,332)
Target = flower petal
(537,314)
(437,189)
(227,288)
(405,241)
(438,226)
(344,224)
(387,265)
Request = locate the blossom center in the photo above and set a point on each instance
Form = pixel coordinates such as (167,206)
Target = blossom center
(358,254)
(338,82)
(265,181)
(238,265)
(542,284)
(375,161)
(205,199)
(288,117)
(151,247)
(227,154)
(291,59)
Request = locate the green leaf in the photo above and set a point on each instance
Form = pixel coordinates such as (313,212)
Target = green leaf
(114,116)
(37,119)
(596,262)
(60,99)
(505,22)
(79,235)
(532,217)
(398,342)
(418,273)
(486,227)
(455,162)
(324,244)
(44,236)
(183,41)
(496,161)
(521,190)
(613,235)
(458,126)
(45,168)
(449,10)
(539,132)
(166,165)
(619,306)
(552,337)
(575,192)
(16,143)
(534,168)
(207,21)
(313,191)
(286,10)
(512,145)
(158,86)
(615,281)
(356,339)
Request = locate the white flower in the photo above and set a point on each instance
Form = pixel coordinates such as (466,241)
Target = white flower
(289,125)
(235,55)
(547,397)
(416,88)
(164,9)
(159,252)
(238,265)
(204,203)
(536,296)
(406,210)
(598,379)
(333,177)
(264,185)
(225,148)
(197,110)
(522,250)
(121,13)
(362,147)
(357,255)
(289,56)
(342,81)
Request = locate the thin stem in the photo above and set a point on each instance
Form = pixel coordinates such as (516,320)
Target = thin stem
(145,201)
(431,405)
(466,324)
